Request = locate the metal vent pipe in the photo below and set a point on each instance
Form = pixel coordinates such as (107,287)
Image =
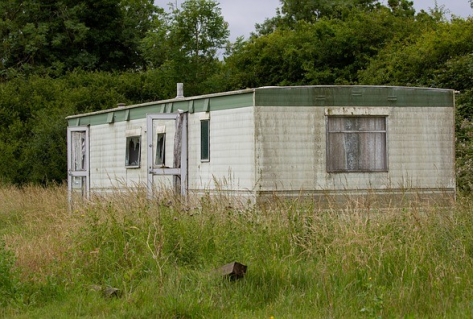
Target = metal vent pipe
(179,89)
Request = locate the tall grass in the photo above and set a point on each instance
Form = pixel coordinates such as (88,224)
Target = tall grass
(303,262)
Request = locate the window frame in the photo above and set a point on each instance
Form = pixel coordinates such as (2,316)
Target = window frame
(206,142)
(359,169)
(160,149)
(138,152)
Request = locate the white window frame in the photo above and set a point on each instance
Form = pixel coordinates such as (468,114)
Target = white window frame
(135,136)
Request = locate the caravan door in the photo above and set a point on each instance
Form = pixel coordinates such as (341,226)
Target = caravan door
(78,162)
(157,164)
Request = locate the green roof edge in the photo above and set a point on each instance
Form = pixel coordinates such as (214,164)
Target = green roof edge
(293,96)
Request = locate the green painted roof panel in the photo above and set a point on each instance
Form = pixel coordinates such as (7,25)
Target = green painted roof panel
(353,96)
(316,96)
(205,103)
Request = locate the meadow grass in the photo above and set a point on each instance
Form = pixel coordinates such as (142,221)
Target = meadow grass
(303,261)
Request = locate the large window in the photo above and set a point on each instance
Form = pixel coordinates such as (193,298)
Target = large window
(132,156)
(356,144)
(205,140)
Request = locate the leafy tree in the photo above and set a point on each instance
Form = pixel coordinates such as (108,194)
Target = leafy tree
(53,36)
(199,28)
(328,51)
(185,44)
(312,10)
(294,11)
(415,61)
(402,7)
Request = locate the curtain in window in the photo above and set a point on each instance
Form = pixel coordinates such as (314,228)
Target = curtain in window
(356,144)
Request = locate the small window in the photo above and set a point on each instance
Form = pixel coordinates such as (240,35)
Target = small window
(160,149)
(356,144)
(205,141)
(132,157)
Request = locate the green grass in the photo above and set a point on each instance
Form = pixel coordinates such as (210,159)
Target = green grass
(303,262)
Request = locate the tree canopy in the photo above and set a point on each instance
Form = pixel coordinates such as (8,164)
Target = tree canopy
(59,36)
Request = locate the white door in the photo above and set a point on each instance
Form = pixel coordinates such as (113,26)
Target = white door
(78,162)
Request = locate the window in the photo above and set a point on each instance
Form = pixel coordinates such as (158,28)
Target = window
(205,140)
(132,157)
(78,150)
(356,144)
(160,149)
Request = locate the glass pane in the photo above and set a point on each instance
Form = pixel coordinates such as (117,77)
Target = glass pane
(78,151)
(336,153)
(356,144)
(133,151)
(351,146)
(160,149)
(205,140)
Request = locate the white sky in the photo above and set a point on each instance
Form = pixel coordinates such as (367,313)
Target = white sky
(242,15)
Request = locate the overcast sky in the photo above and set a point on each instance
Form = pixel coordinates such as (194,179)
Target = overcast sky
(242,15)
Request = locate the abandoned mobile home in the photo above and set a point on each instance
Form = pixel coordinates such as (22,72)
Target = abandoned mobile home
(312,141)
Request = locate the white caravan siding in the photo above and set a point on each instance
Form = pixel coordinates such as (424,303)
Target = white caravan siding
(107,156)
(290,147)
(421,147)
(291,151)
(232,153)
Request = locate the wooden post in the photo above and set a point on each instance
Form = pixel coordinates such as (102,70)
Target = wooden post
(178,140)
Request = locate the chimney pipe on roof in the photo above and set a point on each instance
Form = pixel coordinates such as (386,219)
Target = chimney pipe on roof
(179,89)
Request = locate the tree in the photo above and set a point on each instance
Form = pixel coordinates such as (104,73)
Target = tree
(293,11)
(185,44)
(402,7)
(327,51)
(199,29)
(312,10)
(415,60)
(52,35)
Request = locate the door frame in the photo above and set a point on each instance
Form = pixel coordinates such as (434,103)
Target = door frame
(181,119)
(70,167)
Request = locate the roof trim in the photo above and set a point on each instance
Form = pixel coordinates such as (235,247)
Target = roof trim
(292,96)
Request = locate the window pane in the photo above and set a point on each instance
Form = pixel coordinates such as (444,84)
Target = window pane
(336,159)
(132,157)
(205,140)
(160,149)
(78,150)
(356,144)
(351,146)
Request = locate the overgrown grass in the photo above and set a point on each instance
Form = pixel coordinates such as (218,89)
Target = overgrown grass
(303,262)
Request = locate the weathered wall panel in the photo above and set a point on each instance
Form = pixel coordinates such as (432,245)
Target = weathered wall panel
(421,147)
(232,153)
(291,151)
(290,147)
(107,155)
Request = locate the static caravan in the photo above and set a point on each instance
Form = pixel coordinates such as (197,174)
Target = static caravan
(318,142)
